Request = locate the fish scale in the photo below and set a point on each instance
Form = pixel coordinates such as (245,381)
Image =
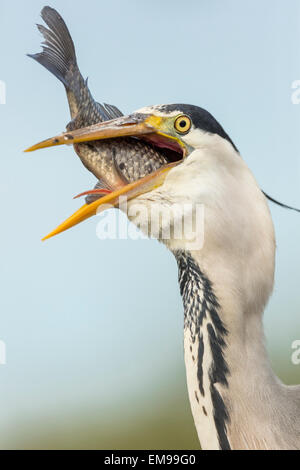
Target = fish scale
(114,162)
(131,159)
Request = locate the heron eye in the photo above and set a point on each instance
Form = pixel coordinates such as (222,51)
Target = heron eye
(182,124)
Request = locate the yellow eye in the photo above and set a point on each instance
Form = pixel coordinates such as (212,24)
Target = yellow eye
(182,124)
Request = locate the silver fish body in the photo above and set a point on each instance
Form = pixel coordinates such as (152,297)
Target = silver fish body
(120,161)
(114,162)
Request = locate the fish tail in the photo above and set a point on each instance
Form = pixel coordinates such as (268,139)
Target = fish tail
(59,57)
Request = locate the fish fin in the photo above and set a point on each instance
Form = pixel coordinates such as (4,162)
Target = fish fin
(101,184)
(106,114)
(101,192)
(281,204)
(109,111)
(59,57)
(58,54)
(113,111)
(84,116)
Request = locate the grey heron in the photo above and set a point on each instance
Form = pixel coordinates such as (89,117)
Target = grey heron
(236,400)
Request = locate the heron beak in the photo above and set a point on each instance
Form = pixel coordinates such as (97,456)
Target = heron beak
(149,127)
(120,127)
(130,191)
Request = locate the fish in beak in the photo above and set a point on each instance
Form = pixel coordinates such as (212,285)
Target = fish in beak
(148,128)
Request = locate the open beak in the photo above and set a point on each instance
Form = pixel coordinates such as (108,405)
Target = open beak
(135,125)
(146,126)
(143,185)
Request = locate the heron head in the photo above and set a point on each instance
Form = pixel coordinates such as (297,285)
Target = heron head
(186,125)
(201,159)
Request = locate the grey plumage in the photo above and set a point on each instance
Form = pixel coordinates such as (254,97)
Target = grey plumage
(237,401)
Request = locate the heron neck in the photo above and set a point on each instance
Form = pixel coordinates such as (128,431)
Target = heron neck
(226,362)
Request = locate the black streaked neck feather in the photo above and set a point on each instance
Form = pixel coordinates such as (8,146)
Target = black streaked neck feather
(200,302)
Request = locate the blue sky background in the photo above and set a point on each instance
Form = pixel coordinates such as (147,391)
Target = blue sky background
(94,328)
